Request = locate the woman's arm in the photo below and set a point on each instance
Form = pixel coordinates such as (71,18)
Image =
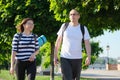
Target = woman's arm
(32,57)
(12,62)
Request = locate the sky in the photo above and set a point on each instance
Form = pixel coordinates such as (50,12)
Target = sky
(113,40)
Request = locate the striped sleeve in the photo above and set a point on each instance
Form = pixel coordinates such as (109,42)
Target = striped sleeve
(14,43)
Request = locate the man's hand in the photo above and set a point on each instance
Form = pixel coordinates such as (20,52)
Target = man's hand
(56,61)
(87,61)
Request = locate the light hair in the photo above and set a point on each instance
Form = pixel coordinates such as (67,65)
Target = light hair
(75,11)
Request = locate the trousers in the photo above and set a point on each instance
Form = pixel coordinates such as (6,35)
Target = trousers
(23,67)
(71,68)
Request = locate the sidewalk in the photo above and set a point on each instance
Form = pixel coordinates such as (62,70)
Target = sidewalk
(97,74)
(101,74)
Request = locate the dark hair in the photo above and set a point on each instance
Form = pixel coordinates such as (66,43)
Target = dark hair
(24,21)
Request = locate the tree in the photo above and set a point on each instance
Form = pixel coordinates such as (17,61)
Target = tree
(96,50)
(112,61)
(5,49)
(13,11)
(97,15)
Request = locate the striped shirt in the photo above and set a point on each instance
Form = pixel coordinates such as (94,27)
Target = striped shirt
(24,45)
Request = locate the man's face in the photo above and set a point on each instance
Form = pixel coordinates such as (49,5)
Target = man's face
(74,16)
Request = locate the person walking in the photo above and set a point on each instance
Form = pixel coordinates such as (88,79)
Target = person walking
(24,50)
(71,50)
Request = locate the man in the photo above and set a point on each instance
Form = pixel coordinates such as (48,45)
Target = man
(71,52)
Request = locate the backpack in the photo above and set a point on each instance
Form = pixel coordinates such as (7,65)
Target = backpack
(19,37)
(81,28)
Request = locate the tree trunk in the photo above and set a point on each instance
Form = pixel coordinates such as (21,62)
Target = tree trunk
(52,61)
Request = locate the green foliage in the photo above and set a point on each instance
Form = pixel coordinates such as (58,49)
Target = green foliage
(97,15)
(93,58)
(93,14)
(96,50)
(38,59)
(11,14)
(5,50)
(46,52)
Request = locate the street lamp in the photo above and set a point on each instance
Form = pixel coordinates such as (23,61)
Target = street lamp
(108,48)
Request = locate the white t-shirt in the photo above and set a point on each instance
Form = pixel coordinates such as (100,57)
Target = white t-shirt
(72,41)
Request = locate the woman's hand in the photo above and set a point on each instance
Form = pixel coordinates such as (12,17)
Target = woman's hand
(32,57)
(11,70)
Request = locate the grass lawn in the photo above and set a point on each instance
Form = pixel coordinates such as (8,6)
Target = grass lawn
(4,75)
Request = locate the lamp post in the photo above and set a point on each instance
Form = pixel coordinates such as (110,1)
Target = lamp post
(108,48)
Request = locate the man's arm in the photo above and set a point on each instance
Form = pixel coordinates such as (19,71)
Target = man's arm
(57,46)
(88,50)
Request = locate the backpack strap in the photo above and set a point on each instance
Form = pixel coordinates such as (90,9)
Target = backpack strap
(19,37)
(35,37)
(83,32)
(81,28)
(65,27)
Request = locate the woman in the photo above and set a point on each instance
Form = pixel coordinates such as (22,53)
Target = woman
(24,49)
(71,52)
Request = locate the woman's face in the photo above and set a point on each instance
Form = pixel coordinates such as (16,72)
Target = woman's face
(29,25)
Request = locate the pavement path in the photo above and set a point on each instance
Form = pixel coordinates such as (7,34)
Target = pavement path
(98,74)
(101,74)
